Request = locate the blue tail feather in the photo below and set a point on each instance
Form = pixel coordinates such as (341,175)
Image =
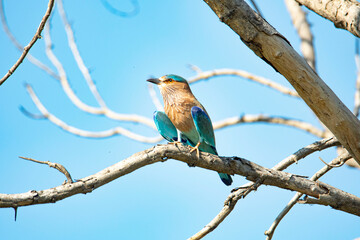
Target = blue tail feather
(225,178)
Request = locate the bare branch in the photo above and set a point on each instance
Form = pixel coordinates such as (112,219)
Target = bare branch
(256,7)
(247,118)
(32,42)
(240,73)
(275,50)
(244,190)
(57,166)
(344,14)
(31,58)
(357,91)
(340,160)
(75,51)
(302,26)
(333,165)
(232,165)
(103,110)
(83,133)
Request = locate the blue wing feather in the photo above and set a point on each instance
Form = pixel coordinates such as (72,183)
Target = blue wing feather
(205,129)
(165,127)
(203,126)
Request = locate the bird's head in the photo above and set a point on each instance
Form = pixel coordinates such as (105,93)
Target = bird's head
(170,83)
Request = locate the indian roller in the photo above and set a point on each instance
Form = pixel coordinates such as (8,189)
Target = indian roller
(185,120)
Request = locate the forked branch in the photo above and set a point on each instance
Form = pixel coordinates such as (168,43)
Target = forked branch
(231,165)
(275,50)
(244,190)
(31,43)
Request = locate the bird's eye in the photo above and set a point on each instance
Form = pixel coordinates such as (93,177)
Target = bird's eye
(170,80)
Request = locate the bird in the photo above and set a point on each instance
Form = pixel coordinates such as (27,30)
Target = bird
(185,120)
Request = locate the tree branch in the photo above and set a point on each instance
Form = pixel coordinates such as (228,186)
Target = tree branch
(244,190)
(240,73)
(333,197)
(102,134)
(357,91)
(103,110)
(76,54)
(31,43)
(344,14)
(274,49)
(302,26)
(31,58)
(339,160)
(57,166)
(247,118)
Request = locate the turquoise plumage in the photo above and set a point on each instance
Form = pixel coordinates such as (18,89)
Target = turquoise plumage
(165,127)
(185,119)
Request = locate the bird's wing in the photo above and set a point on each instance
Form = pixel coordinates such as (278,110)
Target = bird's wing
(207,138)
(203,126)
(165,127)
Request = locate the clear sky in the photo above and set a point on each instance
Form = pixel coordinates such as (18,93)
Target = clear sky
(165,200)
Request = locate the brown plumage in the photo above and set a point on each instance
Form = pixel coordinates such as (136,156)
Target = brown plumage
(178,101)
(189,117)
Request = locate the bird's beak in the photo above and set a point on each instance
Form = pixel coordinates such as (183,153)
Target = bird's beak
(154,80)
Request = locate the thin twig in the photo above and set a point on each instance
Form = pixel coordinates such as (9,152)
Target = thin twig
(30,114)
(103,110)
(256,7)
(83,133)
(244,190)
(247,118)
(302,26)
(240,73)
(57,166)
(357,91)
(332,165)
(336,162)
(32,42)
(30,57)
(75,51)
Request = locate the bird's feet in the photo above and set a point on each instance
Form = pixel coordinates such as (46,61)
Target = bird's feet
(176,143)
(196,148)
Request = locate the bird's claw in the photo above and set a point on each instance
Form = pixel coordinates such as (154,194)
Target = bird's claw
(176,143)
(197,149)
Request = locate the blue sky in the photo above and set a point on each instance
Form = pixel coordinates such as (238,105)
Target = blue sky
(165,200)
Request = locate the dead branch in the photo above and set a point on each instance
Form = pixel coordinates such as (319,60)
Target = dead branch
(102,134)
(302,26)
(57,166)
(334,163)
(240,73)
(102,110)
(344,14)
(274,49)
(244,190)
(31,43)
(357,91)
(333,197)
(247,118)
(30,57)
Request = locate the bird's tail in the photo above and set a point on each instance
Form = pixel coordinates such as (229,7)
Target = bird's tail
(225,178)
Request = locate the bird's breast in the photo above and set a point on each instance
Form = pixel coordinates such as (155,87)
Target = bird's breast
(180,115)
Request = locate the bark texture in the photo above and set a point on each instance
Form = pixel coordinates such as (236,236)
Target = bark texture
(328,195)
(344,14)
(274,49)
